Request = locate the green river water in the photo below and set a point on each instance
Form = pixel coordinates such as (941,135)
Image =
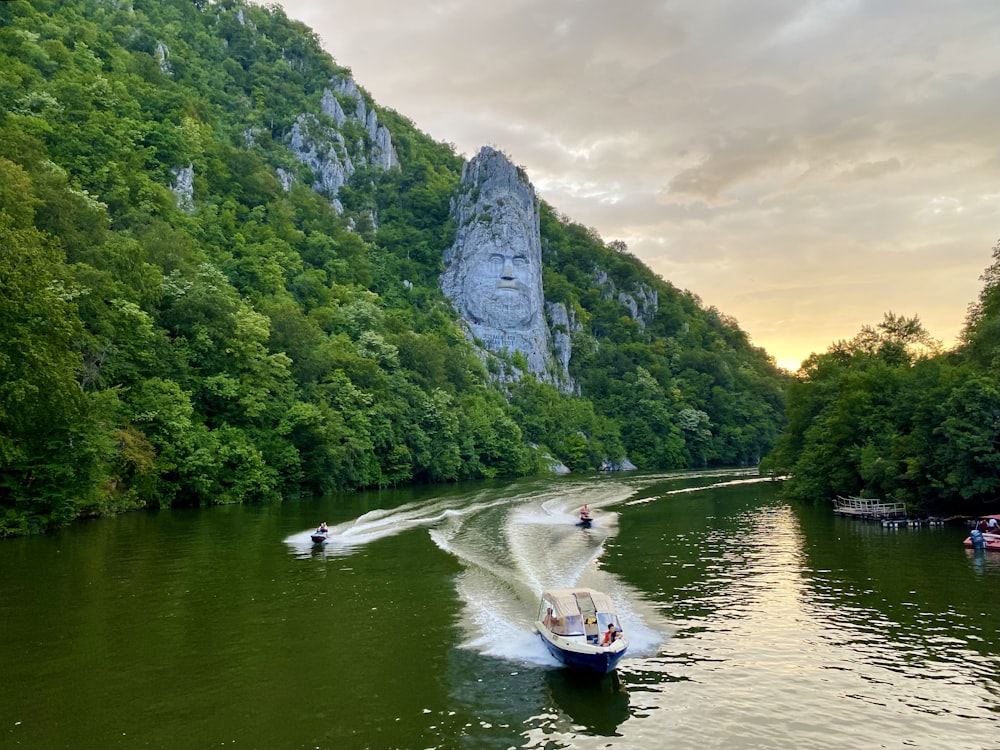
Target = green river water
(752,624)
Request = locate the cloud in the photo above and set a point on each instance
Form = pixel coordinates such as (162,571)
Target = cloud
(804,165)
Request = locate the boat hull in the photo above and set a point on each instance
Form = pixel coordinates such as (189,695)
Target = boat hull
(318,538)
(990,541)
(576,654)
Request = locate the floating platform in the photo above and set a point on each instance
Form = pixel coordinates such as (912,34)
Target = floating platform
(899,523)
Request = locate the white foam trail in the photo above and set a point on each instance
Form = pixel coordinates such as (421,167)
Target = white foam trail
(686,490)
(350,536)
(511,549)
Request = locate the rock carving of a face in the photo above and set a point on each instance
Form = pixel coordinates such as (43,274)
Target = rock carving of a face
(498,289)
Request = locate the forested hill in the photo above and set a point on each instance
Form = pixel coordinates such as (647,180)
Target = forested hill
(891,415)
(219,283)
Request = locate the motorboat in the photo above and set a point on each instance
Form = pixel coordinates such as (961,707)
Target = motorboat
(580,628)
(984,539)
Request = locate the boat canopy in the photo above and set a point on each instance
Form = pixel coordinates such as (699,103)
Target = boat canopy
(578,611)
(567,602)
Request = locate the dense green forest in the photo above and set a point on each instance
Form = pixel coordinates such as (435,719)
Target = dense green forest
(890,414)
(255,338)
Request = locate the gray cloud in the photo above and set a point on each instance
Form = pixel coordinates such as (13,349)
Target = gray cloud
(804,165)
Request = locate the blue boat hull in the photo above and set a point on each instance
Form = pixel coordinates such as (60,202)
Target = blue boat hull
(318,538)
(602,662)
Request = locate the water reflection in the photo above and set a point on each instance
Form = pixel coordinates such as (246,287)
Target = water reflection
(598,703)
(983,561)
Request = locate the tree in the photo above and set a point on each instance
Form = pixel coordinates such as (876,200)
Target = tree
(39,389)
(981,336)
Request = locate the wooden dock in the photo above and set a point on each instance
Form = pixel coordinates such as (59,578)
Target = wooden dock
(891,515)
(869,508)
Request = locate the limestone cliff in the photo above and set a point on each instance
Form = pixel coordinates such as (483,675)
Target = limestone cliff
(316,140)
(493,270)
(642,303)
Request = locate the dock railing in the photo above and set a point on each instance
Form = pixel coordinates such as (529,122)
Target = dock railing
(862,507)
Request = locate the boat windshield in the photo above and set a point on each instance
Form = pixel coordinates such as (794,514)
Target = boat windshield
(572,625)
(562,615)
(604,619)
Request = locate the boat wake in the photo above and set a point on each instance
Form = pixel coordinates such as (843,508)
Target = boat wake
(349,537)
(510,549)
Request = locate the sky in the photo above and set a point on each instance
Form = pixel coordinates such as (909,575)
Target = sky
(803,166)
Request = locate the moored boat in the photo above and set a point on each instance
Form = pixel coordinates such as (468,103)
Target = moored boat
(979,539)
(580,628)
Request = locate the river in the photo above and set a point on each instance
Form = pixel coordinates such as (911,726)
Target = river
(752,624)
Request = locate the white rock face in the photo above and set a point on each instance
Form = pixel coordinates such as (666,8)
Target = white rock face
(183,187)
(163,58)
(493,270)
(561,325)
(642,304)
(625,465)
(332,108)
(323,148)
(286,178)
(383,154)
(317,147)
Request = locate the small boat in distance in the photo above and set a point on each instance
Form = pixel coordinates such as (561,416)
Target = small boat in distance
(321,534)
(586,520)
(580,628)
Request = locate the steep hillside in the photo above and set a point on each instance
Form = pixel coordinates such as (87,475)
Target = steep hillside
(220,283)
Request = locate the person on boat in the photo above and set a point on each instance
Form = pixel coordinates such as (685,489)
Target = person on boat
(550,619)
(992,526)
(977,539)
(322,529)
(609,635)
(983,525)
(585,513)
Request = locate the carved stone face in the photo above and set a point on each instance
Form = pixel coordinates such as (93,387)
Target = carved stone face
(499,289)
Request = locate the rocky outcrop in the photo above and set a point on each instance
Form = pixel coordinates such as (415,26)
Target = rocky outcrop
(624,465)
(554,465)
(322,147)
(562,325)
(183,187)
(642,302)
(330,106)
(163,58)
(286,178)
(381,153)
(493,270)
